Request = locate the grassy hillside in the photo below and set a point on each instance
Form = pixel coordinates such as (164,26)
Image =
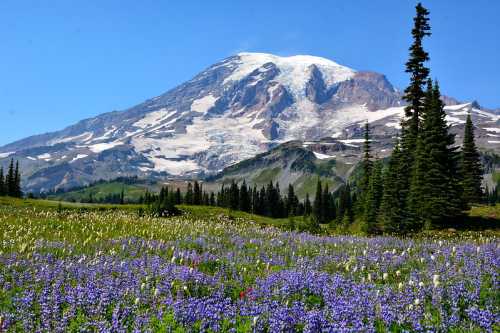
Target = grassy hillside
(55,204)
(192,211)
(132,192)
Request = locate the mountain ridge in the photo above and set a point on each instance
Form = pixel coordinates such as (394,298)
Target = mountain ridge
(233,110)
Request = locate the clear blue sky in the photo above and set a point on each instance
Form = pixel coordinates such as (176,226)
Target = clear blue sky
(62,61)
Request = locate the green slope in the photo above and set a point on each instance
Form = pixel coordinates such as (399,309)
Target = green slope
(132,192)
(288,163)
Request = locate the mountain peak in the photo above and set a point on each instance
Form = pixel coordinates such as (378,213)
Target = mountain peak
(299,59)
(295,71)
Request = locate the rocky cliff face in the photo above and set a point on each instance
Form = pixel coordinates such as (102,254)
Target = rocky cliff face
(232,111)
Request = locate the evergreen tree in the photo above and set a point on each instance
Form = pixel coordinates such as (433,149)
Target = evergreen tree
(164,205)
(441,193)
(17,182)
(206,199)
(2,183)
(318,203)
(373,198)
(255,200)
(292,202)
(272,200)
(331,208)
(262,206)
(197,193)
(244,198)
(418,182)
(307,206)
(234,196)
(367,160)
(470,165)
(212,199)
(414,95)
(345,212)
(189,197)
(178,196)
(419,73)
(11,180)
(326,208)
(391,209)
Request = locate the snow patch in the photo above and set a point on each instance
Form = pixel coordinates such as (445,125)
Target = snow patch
(457,107)
(203,104)
(109,132)
(45,156)
(349,141)
(492,129)
(174,167)
(79,156)
(454,120)
(77,138)
(99,147)
(4,155)
(394,124)
(322,156)
(153,118)
(492,116)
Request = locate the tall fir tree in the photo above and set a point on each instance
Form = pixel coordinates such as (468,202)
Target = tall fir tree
(212,199)
(189,197)
(255,200)
(419,73)
(244,198)
(470,166)
(307,206)
(197,193)
(418,183)
(292,202)
(10,180)
(178,196)
(440,192)
(367,159)
(414,95)
(2,183)
(392,207)
(234,196)
(373,199)
(318,203)
(345,212)
(17,182)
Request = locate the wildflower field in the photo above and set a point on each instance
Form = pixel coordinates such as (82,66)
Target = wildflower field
(114,271)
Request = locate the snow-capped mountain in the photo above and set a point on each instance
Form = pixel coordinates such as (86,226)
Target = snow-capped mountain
(232,111)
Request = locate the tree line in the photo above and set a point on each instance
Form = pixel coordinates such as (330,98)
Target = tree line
(266,201)
(10,184)
(335,207)
(427,182)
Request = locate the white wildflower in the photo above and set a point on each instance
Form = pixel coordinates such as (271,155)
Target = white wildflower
(435,280)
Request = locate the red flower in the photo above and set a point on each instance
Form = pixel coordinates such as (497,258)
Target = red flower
(244,293)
